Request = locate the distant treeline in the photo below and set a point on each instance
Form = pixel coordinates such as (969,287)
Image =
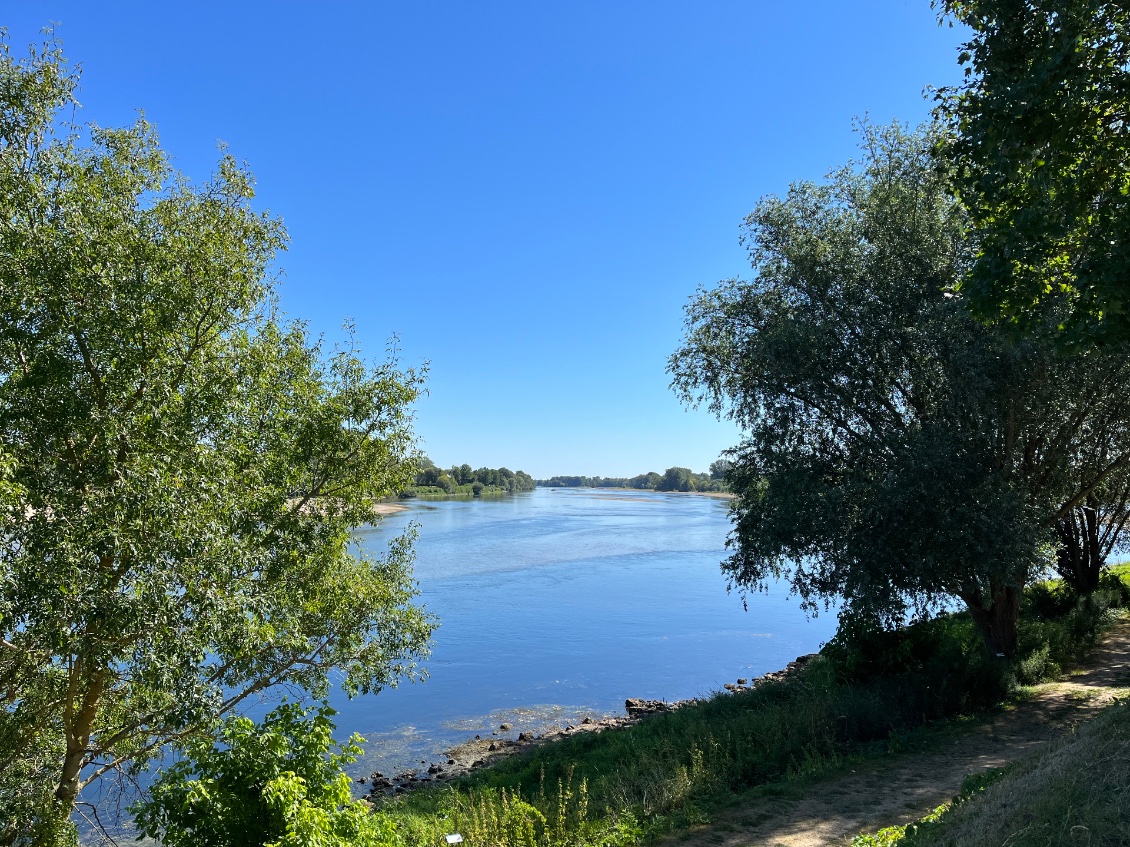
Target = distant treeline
(432,480)
(673,479)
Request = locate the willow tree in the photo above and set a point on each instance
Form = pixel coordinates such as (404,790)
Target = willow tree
(898,453)
(186,470)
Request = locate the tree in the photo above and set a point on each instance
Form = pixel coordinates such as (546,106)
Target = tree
(719,467)
(1042,151)
(676,479)
(899,453)
(189,469)
(275,784)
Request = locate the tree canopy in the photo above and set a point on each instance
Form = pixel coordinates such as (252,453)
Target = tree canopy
(461,479)
(899,453)
(185,469)
(1041,144)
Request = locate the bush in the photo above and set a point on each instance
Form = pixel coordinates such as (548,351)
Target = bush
(276,784)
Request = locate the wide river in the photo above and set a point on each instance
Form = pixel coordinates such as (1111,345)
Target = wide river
(556,604)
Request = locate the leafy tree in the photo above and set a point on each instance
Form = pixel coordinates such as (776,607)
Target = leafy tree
(189,471)
(276,784)
(676,479)
(899,453)
(1042,148)
(719,467)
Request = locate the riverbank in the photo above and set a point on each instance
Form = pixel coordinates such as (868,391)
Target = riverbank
(898,786)
(478,752)
(706,764)
(642,492)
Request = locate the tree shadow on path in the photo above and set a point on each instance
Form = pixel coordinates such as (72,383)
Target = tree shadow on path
(906,786)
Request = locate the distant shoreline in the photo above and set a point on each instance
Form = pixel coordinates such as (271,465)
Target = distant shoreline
(718,495)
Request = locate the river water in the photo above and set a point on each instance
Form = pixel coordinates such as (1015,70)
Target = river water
(556,604)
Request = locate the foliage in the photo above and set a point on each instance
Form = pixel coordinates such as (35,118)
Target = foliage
(275,784)
(460,479)
(673,479)
(899,453)
(189,470)
(1042,152)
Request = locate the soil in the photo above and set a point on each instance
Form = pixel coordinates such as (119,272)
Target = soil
(905,786)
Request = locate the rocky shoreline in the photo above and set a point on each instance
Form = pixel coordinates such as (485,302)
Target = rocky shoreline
(479,752)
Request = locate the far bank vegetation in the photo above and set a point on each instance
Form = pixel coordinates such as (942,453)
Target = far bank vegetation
(462,480)
(673,479)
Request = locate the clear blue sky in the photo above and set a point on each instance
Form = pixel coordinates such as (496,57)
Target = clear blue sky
(526,193)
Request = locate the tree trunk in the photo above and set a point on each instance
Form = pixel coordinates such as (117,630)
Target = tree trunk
(998,620)
(79,728)
(1080,558)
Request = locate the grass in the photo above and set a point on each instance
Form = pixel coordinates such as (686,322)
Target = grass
(865,695)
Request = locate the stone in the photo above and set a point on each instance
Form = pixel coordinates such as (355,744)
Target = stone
(637,708)
(504,727)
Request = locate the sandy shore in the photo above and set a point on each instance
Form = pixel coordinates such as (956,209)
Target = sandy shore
(388,508)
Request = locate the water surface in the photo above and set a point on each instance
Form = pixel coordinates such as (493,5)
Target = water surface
(556,604)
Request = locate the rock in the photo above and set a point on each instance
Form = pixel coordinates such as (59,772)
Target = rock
(742,681)
(451,761)
(729,686)
(588,720)
(504,727)
(637,708)
(493,747)
(478,763)
(435,769)
(525,736)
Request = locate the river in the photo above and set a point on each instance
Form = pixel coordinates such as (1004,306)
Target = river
(556,604)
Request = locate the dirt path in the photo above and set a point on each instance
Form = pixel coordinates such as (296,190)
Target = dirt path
(906,786)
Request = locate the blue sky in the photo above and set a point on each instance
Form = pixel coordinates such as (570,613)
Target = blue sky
(525,193)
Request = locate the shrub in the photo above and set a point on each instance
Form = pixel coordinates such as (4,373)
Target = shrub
(276,784)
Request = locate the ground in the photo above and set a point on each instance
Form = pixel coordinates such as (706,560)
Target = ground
(904,786)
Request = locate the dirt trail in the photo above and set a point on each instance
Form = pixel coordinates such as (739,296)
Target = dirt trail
(906,786)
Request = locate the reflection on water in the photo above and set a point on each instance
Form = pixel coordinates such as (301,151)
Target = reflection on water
(574,598)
